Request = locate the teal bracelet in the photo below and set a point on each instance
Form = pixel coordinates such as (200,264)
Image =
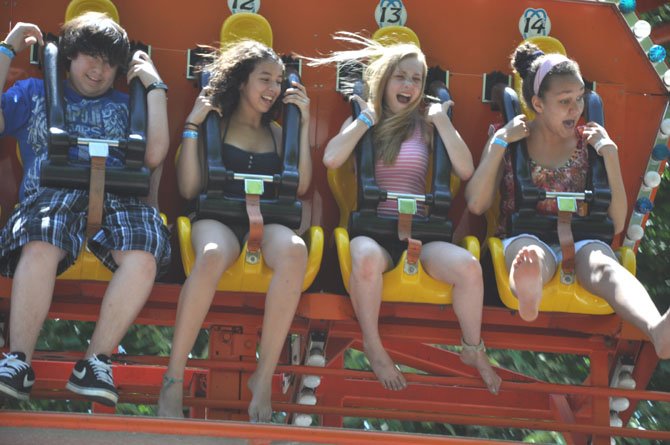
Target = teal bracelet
(7,52)
(365,119)
(500,141)
(189,134)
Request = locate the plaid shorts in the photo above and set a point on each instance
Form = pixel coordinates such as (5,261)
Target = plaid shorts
(58,217)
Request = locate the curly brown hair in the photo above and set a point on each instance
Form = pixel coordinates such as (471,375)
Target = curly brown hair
(230,69)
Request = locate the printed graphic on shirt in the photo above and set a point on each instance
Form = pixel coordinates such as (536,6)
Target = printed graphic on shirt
(97,119)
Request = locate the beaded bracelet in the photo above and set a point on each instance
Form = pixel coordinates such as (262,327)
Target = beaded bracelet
(189,134)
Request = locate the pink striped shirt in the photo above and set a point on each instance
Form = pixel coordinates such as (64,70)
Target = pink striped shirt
(407,174)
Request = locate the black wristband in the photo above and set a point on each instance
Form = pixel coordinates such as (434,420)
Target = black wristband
(157,86)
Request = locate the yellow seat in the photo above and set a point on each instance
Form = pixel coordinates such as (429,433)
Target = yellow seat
(398,285)
(390,35)
(246,25)
(78,7)
(556,295)
(243,276)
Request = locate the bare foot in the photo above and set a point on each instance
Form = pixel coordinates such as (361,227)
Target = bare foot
(170,400)
(260,407)
(384,368)
(526,282)
(480,361)
(660,336)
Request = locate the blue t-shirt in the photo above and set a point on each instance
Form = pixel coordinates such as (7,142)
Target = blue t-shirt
(24,109)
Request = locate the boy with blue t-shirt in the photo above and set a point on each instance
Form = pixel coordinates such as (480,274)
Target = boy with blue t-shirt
(46,231)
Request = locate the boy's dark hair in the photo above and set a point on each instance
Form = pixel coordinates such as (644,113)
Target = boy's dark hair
(94,34)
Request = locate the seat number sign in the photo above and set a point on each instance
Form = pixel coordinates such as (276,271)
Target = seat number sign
(236,6)
(390,13)
(534,22)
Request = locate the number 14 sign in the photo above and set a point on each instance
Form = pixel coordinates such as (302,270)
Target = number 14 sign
(534,22)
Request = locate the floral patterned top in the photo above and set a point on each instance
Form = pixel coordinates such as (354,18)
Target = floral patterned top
(570,177)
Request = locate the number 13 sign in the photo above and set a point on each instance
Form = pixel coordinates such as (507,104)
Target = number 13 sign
(390,12)
(534,22)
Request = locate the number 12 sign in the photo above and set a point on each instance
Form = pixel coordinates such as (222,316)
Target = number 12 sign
(236,6)
(534,22)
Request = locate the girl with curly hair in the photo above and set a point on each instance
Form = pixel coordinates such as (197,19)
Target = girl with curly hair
(245,90)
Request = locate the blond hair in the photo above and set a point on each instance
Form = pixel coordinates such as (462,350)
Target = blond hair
(392,128)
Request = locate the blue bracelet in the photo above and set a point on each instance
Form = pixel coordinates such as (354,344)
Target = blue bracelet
(7,52)
(365,119)
(189,134)
(500,141)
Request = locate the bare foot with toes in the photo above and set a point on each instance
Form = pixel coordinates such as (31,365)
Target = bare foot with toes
(171,398)
(526,282)
(384,368)
(480,361)
(260,407)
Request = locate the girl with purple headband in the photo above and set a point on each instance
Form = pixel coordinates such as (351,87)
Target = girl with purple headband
(553,88)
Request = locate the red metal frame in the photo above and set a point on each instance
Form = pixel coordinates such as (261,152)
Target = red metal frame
(450,392)
(258,434)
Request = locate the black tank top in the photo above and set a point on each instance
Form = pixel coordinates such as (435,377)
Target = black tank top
(242,161)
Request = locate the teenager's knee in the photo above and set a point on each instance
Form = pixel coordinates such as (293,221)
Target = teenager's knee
(604,269)
(213,259)
(143,262)
(469,269)
(42,251)
(295,249)
(367,261)
(284,249)
(594,264)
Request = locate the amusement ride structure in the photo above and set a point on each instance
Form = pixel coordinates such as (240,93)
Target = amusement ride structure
(467,44)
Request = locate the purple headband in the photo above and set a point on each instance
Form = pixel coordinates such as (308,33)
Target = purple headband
(550,61)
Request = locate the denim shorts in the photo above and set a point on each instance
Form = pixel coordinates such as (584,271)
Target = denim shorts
(555,249)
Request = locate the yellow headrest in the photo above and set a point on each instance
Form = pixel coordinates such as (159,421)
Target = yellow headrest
(78,7)
(548,45)
(246,25)
(390,35)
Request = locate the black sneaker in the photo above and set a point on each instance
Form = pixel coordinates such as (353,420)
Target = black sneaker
(92,378)
(16,376)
